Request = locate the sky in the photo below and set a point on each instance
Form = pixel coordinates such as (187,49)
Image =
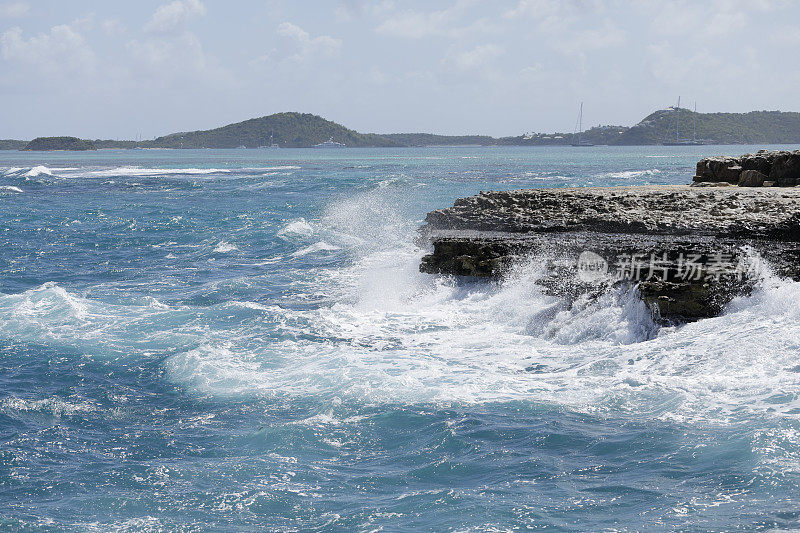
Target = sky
(140,69)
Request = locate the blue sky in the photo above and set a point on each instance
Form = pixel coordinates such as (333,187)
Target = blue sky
(115,69)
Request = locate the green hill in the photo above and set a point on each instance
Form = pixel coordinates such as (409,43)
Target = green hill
(59,143)
(12,144)
(755,127)
(287,130)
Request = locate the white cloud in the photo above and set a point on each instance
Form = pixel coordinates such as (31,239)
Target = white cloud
(377,76)
(676,69)
(477,58)
(581,41)
(412,24)
(173,16)
(14,9)
(540,9)
(170,56)
(350,9)
(113,27)
(171,53)
(62,50)
(533,72)
(478,61)
(300,45)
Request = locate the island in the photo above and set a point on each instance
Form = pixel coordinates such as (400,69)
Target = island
(687,250)
(59,143)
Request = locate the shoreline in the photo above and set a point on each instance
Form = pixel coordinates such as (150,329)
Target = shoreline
(434,146)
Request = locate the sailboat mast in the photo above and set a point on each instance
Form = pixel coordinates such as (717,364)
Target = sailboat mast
(677,120)
(694,123)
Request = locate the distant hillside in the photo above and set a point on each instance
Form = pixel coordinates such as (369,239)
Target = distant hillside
(302,130)
(597,135)
(101,144)
(59,143)
(12,144)
(755,127)
(287,130)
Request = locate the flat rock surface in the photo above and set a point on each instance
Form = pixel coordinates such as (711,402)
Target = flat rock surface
(771,213)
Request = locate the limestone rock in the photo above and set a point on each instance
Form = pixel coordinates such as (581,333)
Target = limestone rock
(785,171)
(781,167)
(751,178)
(721,168)
(484,234)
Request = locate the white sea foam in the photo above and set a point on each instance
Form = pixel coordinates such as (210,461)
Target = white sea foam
(50,314)
(396,335)
(631,174)
(38,171)
(321,246)
(392,334)
(53,405)
(9,188)
(153,172)
(279,167)
(224,247)
(297,227)
(41,171)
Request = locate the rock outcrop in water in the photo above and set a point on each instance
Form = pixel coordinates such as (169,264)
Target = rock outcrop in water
(688,250)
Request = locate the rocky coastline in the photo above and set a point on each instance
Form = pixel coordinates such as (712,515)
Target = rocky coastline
(687,249)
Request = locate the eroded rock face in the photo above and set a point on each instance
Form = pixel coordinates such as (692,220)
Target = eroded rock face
(781,168)
(722,168)
(669,230)
(752,178)
(785,169)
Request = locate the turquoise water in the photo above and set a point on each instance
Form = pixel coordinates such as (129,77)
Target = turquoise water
(241,340)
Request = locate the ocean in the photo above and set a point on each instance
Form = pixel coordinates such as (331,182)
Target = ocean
(241,340)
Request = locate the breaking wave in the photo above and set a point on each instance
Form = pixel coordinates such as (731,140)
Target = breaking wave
(384,332)
(631,174)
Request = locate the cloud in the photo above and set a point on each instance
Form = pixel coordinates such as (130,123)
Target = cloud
(580,42)
(477,58)
(113,27)
(540,9)
(350,9)
(533,72)
(299,45)
(172,56)
(412,24)
(476,61)
(171,52)
(173,16)
(62,50)
(13,10)
(674,68)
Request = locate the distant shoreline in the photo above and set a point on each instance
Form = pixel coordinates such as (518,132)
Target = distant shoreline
(274,151)
(304,130)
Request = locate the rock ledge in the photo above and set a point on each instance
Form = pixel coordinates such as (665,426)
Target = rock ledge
(689,250)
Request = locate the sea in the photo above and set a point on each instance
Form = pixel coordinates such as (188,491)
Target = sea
(241,340)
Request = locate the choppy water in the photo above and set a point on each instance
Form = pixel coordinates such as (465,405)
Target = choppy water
(241,340)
